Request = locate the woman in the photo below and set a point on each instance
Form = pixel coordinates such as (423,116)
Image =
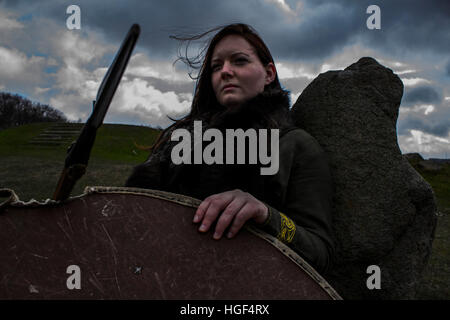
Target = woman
(238,87)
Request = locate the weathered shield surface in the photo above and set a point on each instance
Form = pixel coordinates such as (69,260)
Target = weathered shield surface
(140,244)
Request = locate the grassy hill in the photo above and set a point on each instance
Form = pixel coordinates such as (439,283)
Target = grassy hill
(33,171)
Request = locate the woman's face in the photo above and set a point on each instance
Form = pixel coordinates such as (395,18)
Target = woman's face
(237,72)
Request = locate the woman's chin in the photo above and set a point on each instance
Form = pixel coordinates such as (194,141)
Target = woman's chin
(231,102)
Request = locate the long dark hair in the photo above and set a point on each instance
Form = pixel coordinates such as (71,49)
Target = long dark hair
(205,100)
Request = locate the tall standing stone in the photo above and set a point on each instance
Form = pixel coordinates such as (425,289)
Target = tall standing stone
(384,211)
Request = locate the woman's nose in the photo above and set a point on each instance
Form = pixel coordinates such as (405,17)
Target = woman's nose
(227,69)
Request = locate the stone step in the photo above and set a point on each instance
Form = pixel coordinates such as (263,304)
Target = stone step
(49,143)
(66,127)
(53,138)
(57,134)
(66,132)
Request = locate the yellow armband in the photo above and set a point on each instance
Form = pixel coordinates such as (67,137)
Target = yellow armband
(287,230)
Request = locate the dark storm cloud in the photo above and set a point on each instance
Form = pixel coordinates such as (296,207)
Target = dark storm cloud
(321,28)
(321,33)
(422,94)
(435,123)
(411,25)
(158,19)
(448,69)
(405,25)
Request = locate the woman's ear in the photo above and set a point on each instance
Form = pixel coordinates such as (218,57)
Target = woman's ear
(271,73)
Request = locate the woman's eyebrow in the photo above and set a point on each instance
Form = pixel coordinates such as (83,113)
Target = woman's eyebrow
(232,55)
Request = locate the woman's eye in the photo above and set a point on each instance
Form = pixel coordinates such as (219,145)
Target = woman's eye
(215,67)
(241,60)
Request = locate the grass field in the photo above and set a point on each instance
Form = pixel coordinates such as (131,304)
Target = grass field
(436,280)
(33,171)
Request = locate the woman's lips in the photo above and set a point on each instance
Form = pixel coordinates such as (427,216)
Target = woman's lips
(228,87)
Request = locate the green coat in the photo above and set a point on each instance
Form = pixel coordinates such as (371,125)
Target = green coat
(299,195)
(302,195)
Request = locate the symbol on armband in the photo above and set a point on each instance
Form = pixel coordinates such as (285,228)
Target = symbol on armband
(287,229)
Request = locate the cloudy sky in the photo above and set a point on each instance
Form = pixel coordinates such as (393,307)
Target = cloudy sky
(41,59)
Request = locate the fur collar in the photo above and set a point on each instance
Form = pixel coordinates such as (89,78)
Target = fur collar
(269,109)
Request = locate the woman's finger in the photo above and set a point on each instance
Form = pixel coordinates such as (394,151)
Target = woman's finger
(203,207)
(201,210)
(217,204)
(227,216)
(246,213)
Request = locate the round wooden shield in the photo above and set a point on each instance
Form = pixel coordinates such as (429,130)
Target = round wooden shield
(128,243)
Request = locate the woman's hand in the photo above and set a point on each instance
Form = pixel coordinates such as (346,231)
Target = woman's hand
(233,208)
